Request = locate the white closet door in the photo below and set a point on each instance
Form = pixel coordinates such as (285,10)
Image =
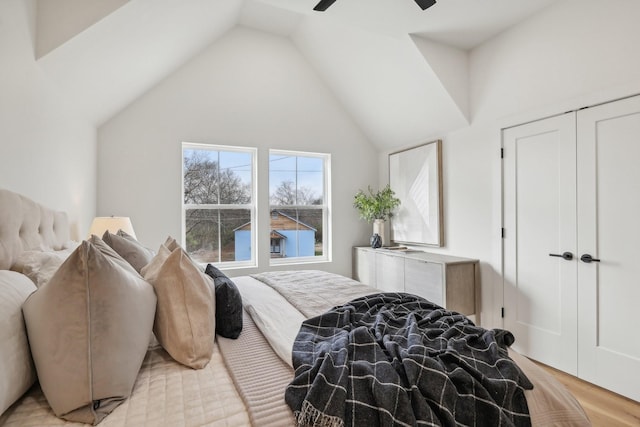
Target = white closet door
(539,219)
(609,230)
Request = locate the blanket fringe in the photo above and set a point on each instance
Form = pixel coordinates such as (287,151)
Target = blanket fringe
(312,417)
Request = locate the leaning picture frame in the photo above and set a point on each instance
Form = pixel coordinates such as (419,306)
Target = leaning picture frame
(415,175)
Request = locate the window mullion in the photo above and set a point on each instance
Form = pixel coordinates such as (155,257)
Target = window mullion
(213,207)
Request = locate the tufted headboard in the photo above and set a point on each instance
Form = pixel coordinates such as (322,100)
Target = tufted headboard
(27,225)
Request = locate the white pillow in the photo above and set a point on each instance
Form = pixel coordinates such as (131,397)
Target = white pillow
(39,266)
(16,366)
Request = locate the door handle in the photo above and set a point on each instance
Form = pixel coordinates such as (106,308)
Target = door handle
(565,255)
(588,258)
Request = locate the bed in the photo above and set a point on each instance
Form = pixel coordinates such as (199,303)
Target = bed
(244,379)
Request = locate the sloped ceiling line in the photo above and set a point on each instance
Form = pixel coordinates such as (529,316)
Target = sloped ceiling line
(451,66)
(61,20)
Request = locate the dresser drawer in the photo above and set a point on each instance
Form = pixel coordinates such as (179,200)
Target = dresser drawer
(389,273)
(424,279)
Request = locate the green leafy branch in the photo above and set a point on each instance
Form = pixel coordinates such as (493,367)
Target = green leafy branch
(378,205)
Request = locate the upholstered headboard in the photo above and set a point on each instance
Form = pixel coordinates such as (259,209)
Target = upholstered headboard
(27,225)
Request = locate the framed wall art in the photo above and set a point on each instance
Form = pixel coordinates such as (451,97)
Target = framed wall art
(415,175)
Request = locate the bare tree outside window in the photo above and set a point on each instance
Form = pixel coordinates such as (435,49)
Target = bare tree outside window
(286,194)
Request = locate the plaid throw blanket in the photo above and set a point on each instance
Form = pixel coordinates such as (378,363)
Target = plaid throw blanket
(398,360)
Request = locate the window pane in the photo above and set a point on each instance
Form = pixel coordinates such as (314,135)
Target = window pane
(231,226)
(282,180)
(296,180)
(235,177)
(235,232)
(212,177)
(296,233)
(310,181)
(202,231)
(200,176)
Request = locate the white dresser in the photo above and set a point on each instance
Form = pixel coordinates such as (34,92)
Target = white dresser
(446,280)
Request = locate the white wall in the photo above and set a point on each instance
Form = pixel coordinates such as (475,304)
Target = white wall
(574,54)
(249,88)
(46,152)
(565,53)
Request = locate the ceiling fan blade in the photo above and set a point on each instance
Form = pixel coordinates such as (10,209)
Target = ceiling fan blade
(424,4)
(323,5)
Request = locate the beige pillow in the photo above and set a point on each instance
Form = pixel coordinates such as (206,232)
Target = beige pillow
(16,367)
(128,248)
(150,271)
(171,243)
(89,329)
(185,317)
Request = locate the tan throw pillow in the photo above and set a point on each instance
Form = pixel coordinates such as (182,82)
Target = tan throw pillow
(150,271)
(128,248)
(185,317)
(171,243)
(89,329)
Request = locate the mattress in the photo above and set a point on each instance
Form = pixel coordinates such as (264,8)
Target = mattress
(166,393)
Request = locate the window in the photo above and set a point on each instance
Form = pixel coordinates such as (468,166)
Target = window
(299,203)
(219,203)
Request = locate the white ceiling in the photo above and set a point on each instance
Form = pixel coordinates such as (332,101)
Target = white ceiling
(400,72)
(460,23)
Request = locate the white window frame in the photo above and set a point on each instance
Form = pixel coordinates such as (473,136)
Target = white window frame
(326,210)
(252,207)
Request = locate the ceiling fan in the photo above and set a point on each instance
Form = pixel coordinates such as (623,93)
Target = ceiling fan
(324,4)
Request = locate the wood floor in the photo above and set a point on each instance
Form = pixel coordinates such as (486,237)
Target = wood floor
(604,408)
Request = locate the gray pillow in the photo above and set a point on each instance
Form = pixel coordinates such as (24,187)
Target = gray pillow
(89,329)
(128,248)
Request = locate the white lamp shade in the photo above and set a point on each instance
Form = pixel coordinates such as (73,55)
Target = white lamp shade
(101,224)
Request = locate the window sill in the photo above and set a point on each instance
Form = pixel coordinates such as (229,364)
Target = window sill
(298,261)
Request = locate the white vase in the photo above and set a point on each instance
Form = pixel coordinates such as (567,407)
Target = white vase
(378,228)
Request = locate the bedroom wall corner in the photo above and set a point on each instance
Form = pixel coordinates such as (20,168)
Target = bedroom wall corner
(47,150)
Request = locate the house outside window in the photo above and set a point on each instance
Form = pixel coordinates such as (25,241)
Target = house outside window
(299,206)
(219,195)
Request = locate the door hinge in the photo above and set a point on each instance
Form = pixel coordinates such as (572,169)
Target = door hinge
(502,232)
(502,153)
(502,312)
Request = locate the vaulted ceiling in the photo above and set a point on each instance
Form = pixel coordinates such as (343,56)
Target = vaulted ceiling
(401,73)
